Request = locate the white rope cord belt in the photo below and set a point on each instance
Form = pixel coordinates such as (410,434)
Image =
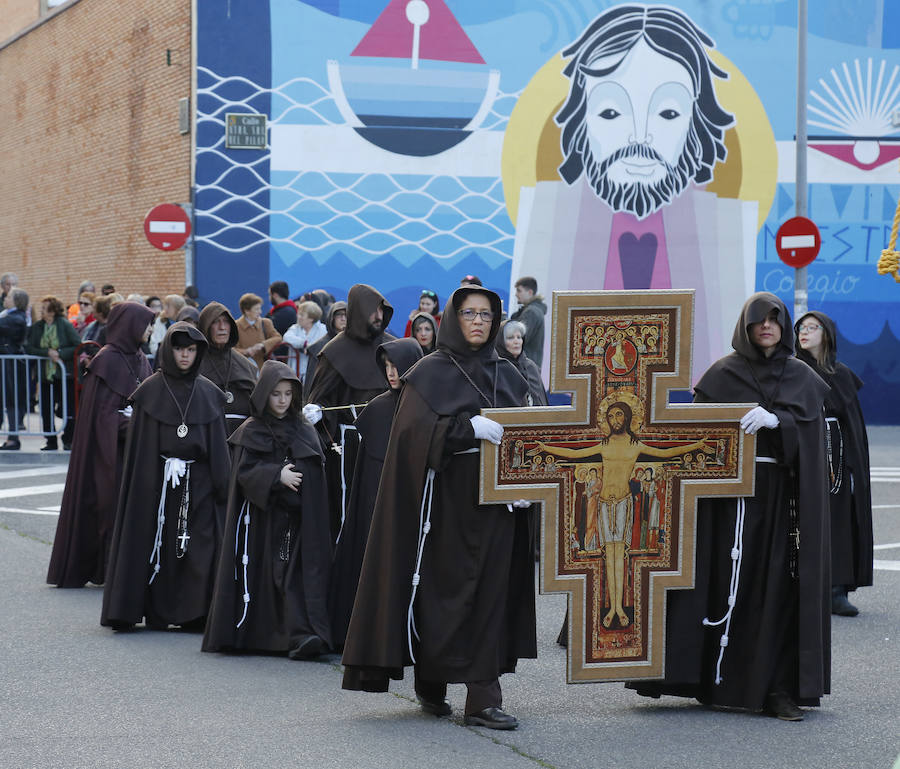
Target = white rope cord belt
(344,429)
(424,528)
(173,471)
(235,416)
(243,518)
(737,552)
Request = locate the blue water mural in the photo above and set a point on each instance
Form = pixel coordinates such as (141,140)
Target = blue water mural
(322,207)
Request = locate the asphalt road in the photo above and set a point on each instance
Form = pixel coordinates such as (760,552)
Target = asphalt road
(78,695)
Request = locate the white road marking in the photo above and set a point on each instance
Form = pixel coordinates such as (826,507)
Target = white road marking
(31,491)
(889,546)
(27,511)
(885,507)
(887,565)
(34,472)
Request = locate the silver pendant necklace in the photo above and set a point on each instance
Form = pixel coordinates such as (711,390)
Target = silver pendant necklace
(182,430)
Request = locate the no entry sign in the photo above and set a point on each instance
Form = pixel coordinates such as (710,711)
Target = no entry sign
(797,242)
(167,227)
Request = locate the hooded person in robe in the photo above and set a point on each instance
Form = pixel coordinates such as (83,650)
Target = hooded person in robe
(778,651)
(335,322)
(224,366)
(278,480)
(374,427)
(171,507)
(510,343)
(847,446)
(423,328)
(347,374)
(452,592)
(88,510)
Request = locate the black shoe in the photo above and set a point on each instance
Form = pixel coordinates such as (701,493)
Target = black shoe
(67,446)
(839,603)
(492,718)
(49,446)
(310,647)
(781,706)
(434,707)
(121,627)
(11,446)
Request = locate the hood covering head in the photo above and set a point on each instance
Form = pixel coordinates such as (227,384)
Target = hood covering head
(273,372)
(450,336)
(212,312)
(126,325)
(423,317)
(403,353)
(362,301)
(332,311)
(189,314)
(829,340)
(181,335)
(755,310)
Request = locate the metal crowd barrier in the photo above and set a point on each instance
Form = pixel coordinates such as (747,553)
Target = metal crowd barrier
(20,379)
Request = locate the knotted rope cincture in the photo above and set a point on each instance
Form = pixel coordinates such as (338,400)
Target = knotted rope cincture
(737,552)
(889,262)
(174,470)
(243,518)
(424,528)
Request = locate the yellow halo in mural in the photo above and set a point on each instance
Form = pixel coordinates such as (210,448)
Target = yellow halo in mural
(531,144)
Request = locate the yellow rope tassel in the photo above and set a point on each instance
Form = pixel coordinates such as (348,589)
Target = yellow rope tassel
(889,262)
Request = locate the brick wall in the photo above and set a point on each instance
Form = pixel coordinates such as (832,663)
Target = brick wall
(90,143)
(15,15)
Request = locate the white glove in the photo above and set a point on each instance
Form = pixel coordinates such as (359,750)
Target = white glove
(313,413)
(127,411)
(519,503)
(757,418)
(487,429)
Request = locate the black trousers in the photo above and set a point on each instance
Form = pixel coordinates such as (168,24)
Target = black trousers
(479,694)
(51,403)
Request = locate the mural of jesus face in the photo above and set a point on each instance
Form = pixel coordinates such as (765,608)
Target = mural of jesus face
(644,102)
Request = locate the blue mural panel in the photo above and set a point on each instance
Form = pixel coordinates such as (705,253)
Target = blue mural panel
(414,143)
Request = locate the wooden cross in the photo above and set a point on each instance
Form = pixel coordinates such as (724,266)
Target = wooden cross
(618,472)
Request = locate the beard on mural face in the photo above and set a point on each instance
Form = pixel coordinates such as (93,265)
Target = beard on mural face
(638,197)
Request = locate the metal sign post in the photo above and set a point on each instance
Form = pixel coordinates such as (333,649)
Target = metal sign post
(801,298)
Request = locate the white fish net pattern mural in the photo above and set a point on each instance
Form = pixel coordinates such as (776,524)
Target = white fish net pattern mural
(241,204)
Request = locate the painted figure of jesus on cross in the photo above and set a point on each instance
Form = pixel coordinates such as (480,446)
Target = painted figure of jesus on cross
(618,472)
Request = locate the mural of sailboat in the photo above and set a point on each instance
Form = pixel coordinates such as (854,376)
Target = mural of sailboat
(417,85)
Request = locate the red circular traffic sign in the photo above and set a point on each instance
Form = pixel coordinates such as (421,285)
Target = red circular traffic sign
(798,241)
(167,226)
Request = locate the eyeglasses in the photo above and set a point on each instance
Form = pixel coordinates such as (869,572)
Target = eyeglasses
(808,328)
(469,315)
(85,304)
(429,294)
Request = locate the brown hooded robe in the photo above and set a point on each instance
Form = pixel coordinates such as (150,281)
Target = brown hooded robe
(473,608)
(181,591)
(374,427)
(287,540)
(88,510)
(347,373)
(779,635)
(226,368)
(851,491)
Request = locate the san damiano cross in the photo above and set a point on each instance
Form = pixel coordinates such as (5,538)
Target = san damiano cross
(618,472)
